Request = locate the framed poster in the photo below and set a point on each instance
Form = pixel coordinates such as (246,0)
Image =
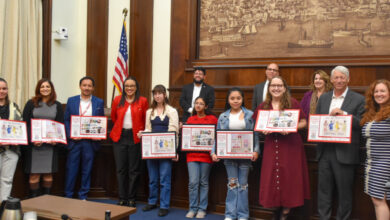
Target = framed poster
(235,144)
(13,132)
(88,127)
(277,121)
(198,137)
(326,128)
(158,145)
(43,130)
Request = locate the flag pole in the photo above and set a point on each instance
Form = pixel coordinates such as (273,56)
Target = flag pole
(124,12)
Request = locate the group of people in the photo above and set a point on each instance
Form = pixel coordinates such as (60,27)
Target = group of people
(284,180)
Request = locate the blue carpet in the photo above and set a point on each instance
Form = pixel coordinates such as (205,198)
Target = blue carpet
(174,213)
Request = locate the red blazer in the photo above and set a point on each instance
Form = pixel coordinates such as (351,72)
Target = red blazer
(138,114)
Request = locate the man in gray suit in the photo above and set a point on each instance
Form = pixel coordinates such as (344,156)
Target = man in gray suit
(336,161)
(260,90)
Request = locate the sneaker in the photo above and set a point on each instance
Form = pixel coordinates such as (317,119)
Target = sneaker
(227,218)
(190,214)
(200,214)
(163,212)
(149,207)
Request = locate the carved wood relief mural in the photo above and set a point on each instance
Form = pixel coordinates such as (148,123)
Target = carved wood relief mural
(293,28)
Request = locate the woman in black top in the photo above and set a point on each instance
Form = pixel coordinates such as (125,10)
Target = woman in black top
(9,154)
(41,159)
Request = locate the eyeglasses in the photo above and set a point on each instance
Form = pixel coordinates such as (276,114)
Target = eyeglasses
(273,70)
(279,86)
(130,86)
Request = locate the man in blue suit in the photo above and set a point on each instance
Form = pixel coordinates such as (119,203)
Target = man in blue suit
(84,104)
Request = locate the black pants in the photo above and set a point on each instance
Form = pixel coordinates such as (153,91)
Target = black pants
(128,162)
(334,176)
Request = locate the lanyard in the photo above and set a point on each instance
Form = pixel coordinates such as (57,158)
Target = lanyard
(86,109)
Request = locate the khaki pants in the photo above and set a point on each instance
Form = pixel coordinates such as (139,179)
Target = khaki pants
(8,162)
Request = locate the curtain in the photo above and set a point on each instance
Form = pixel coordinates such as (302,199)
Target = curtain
(21,47)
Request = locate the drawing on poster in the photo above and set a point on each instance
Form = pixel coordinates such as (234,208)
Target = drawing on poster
(240,143)
(282,119)
(11,131)
(163,144)
(202,137)
(334,127)
(52,131)
(90,125)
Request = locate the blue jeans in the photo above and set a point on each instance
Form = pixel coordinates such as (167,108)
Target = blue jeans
(160,172)
(237,205)
(198,186)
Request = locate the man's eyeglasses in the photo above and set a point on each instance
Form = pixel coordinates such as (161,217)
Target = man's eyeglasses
(273,70)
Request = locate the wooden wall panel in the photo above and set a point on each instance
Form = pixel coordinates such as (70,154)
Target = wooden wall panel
(97,45)
(141,43)
(245,73)
(46,46)
(222,74)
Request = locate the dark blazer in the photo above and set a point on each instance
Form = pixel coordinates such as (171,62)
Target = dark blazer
(186,98)
(257,98)
(72,108)
(354,105)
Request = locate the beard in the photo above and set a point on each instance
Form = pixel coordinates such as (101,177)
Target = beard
(198,81)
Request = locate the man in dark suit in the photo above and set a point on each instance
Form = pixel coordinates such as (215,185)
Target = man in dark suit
(337,161)
(84,104)
(193,90)
(260,90)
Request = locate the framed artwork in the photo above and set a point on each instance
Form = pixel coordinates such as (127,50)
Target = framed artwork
(88,127)
(277,121)
(326,128)
(13,132)
(198,137)
(232,29)
(158,145)
(235,144)
(44,130)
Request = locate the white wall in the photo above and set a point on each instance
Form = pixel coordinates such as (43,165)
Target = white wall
(115,21)
(161,42)
(68,57)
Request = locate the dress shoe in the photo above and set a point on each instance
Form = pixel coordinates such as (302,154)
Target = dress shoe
(149,207)
(132,204)
(163,212)
(122,202)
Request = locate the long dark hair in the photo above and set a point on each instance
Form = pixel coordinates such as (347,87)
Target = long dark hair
(159,89)
(6,98)
(137,92)
(234,89)
(38,97)
(207,111)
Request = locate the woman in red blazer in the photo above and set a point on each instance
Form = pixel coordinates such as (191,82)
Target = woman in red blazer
(128,115)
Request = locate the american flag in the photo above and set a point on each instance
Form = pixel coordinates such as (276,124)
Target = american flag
(121,62)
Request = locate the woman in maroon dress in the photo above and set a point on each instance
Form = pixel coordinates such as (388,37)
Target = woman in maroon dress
(284,181)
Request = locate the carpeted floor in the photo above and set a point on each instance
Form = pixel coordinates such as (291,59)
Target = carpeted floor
(174,213)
